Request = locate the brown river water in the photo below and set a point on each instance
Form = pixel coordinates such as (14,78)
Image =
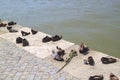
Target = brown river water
(94,22)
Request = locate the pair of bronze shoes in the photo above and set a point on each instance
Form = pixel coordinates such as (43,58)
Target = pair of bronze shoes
(11,23)
(90,61)
(53,38)
(3,24)
(28,33)
(106,60)
(96,77)
(23,41)
(10,29)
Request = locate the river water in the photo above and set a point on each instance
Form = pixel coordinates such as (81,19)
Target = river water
(94,22)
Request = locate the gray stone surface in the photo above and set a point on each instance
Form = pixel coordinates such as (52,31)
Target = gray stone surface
(18,64)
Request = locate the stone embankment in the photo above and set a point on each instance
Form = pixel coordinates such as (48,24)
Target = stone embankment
(34,62)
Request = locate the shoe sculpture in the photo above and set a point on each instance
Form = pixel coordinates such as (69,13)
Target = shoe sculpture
(33,31)
(25,42)
(25,33)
